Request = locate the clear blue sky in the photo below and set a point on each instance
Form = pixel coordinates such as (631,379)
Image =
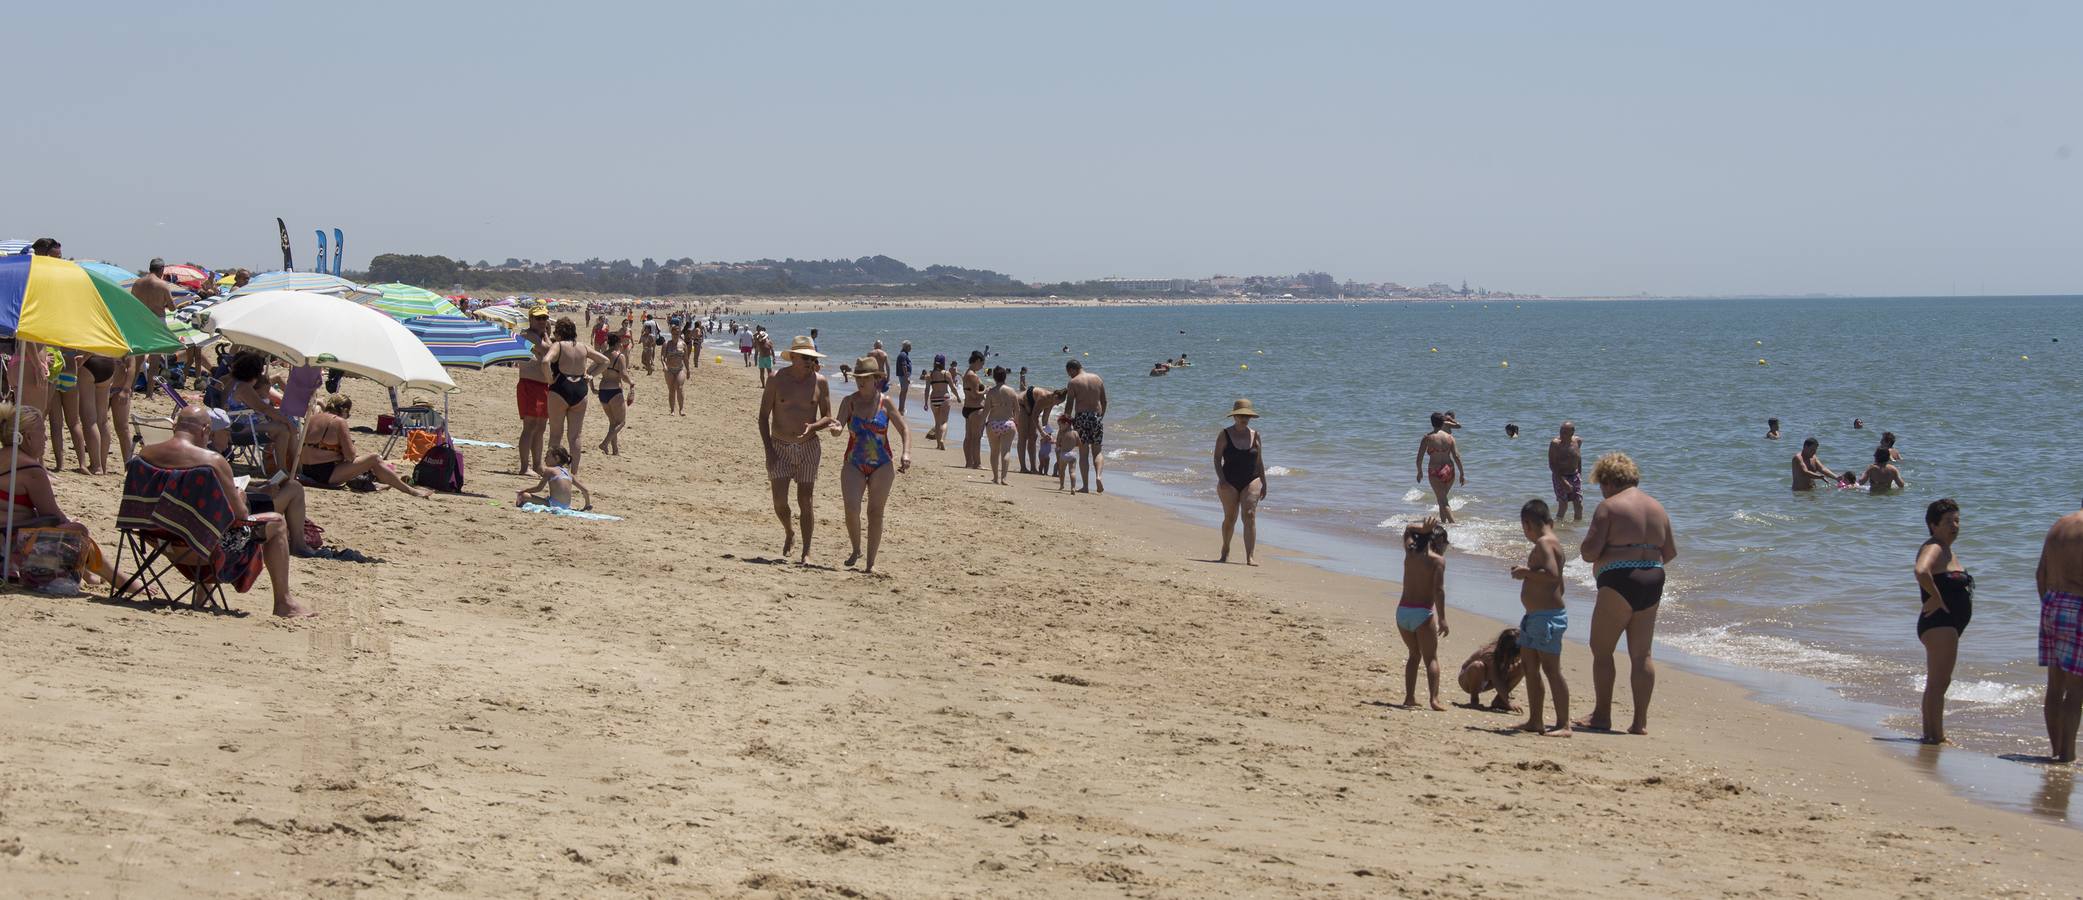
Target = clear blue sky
(1851,147)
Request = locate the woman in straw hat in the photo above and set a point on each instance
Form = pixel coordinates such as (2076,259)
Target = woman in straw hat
(869,416)
(1240,477)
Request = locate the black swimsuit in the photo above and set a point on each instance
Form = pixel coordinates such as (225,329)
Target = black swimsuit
(1957,589)
(570,387)
(1239,465)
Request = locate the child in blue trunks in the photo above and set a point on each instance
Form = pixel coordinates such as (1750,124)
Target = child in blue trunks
(1540,631)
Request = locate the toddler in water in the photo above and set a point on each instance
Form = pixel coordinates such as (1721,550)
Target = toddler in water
(558,481)
(1066,449)
(1540,631)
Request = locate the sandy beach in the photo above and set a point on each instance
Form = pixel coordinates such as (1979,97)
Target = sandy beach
(1047,695)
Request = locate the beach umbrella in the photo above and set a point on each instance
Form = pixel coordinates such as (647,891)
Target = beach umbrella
(193,278)
(121,276)
(467,343)
(403,301)
(310,329)
(227,279)
(509,316)
(12,247)
(61,303)
(304,281)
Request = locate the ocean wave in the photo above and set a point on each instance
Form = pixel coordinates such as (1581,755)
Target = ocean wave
(1282,471)
(1986,693)
(1424,496)
(1760,518)
(1170,476)
(1123,453)
(1766,651)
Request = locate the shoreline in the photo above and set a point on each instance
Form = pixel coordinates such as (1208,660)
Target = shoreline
(1046,695)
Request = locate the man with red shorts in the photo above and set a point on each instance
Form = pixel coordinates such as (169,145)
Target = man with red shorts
(532,392)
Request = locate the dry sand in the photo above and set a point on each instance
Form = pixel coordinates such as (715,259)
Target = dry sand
(1049,695)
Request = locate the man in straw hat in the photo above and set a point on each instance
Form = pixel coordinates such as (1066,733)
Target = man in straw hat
(532,392)
(794,405)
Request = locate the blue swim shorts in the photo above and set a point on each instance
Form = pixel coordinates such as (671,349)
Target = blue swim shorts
(1410,618)
(1541,630)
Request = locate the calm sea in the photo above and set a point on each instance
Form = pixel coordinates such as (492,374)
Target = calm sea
(1981,392)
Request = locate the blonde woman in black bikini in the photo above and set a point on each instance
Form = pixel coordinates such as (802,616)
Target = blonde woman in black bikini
(569,362)
(1628,543)
(617,391)
(940,390)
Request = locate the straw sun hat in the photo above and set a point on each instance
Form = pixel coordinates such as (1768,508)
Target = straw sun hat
(802,346)
(1243,408)
(867,367)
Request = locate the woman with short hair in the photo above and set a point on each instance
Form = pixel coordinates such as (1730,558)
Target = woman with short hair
(1628,543)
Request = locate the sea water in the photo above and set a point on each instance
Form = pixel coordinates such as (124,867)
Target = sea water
(1981,392)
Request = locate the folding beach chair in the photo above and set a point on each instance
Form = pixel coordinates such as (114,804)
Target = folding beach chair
(178,520)
(409,419)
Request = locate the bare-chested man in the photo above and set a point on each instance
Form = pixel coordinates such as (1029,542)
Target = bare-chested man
(882,365)
(1085,402)
(157,295)
(532,392)
(1808,469)
(1439,449)
(2060,581)
(796,403)
(1035,404)
(188,448)
(1566,471)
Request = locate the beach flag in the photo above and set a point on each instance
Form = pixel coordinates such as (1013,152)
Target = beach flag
(339,249)
(321,251)
(288,265)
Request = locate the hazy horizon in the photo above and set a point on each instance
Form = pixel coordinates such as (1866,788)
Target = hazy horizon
(1616,149)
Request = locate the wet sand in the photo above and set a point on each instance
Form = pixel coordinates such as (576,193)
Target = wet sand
(1049,695)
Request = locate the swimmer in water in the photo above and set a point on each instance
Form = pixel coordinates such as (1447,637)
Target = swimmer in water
(1771,429)
(1882,477)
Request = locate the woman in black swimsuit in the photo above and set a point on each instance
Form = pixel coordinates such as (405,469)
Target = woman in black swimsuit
(569,361)
(1240,478)
(617,391)
(1948,593)
(97,379)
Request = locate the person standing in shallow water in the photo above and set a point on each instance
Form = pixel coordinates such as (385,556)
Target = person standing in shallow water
(1240,478)
(1445,458)
(2060,582)
(1628,543)
(1566,471)
(1948,594)
(1085,402)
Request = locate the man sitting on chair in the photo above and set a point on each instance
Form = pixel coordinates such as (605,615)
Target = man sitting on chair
(186,449)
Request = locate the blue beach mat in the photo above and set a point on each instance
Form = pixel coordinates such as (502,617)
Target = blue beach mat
(568,513)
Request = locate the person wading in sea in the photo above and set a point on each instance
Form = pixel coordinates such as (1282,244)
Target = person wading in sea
(1566,471)
(1085,402)
(1445,458)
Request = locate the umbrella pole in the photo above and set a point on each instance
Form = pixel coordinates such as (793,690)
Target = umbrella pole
(21,355)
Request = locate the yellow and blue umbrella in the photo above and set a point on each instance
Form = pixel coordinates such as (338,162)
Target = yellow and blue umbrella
(403,301)
(467,343)
(54,301)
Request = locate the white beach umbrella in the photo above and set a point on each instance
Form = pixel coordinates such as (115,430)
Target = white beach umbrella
(310,329)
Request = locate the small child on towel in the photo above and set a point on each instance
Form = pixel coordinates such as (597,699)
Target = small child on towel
(556,484)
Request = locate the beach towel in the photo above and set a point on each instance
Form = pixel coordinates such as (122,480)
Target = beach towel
(568,512)
(466,442)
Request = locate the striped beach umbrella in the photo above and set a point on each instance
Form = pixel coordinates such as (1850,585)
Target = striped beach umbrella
(188,334)
(509,316)
(12,247)
(57,302)
(313,282)
(194,278)
(403,301)
(467,343)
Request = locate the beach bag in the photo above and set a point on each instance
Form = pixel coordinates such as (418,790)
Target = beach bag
(417,443)
(50,560)
(314,536)
(440,468)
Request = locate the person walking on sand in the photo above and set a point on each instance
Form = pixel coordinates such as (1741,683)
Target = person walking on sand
(796,403)
(676,372)
(763,354)
(532,391)
(2059,579)
(1566,471)
(569,362)
(1628,544)
(1085,401)
(903,376)
(1421,616)
(1240,478)
(868,473)
(940,392)
(1445,456)
(1948,603)
(1001,409)
(617,390)
(1540,630)
(973,411)
(744,344)
(1808,469)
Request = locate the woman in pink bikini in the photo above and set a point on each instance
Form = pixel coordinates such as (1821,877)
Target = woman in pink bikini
(1445,458)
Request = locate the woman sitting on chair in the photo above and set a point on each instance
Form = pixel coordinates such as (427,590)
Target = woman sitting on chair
(26,485)
(329,454)
(250,388)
